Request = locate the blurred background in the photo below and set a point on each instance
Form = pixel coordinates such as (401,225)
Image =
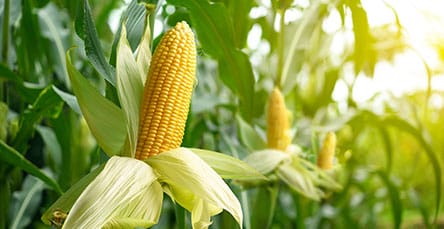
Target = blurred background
(372,71)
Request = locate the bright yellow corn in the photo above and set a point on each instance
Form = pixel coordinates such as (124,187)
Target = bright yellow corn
(327,152)
(278,127)
(167,93)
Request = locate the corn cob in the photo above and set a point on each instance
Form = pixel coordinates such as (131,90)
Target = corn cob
(327,152)
(167,93)
(278,128)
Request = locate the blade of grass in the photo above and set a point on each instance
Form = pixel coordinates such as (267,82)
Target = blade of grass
(395,199)
(11,156)
(86,29)
(432,156)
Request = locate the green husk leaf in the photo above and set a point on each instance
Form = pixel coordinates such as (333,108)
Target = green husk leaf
(106,120)
(65,202)
(144,52)
(266,161)
(229,167)
(118,192)
(298,180)
(191,179)
(129,89)
(128,223)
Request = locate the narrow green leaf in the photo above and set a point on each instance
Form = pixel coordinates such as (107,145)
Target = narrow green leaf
(144,52)
(229,167)
(363,40)
(69,99)
(215,33)
(106,120)
(134,20)
(304,27)
(11,156)
(4,109)
(51,25)
(48,104)
(249,136)
(26,202)
(431,154)
(65,202)
(6,73)
(418,203)
(52,148)
(129,89)
(93,48)
(264,206)
(395,199)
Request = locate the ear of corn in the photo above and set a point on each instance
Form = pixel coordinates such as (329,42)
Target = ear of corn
(327,152)
(278,127)
(167,93)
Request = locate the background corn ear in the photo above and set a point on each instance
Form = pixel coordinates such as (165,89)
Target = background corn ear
(327,152)
(278,127)
(167,93)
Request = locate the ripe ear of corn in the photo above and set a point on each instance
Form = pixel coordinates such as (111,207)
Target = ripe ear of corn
(167,93)
(327,152)
(278,127)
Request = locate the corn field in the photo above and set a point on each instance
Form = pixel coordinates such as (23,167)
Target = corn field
(221,114)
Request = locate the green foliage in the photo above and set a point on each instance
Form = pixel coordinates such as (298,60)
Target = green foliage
(389,153)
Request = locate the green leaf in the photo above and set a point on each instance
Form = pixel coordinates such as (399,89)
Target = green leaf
(106,120)
(52,27)
(266,161)
(11,156)
(395,199)
(69,99)
(363,52)
(65,202)
(305,26)
(120,191)
(47,104)
(87,31)
(431,154)
(229,167)
(249,136)
(129,89)
(26,202)
(191,180)
(239,11)
(52,148)
(215,33)
(128,223)
(298,180)
(264,206)
(3,121)
(6,73)
(144,53)
(134,20)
